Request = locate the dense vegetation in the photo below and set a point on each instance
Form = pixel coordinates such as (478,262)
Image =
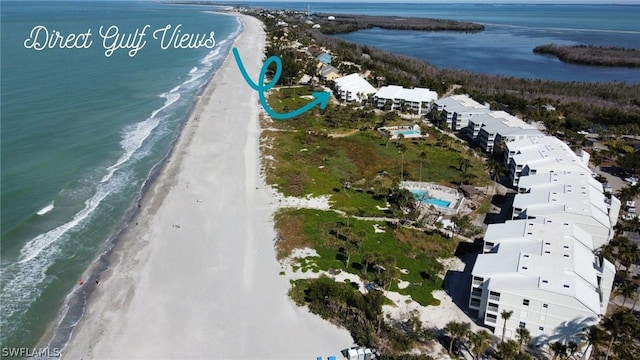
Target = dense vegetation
(335,151)
(348,23)
(582,105)
(592,55)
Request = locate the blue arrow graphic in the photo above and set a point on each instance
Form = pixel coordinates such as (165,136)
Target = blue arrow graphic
(321,97)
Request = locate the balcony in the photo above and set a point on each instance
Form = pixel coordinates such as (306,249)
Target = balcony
(494,297)
(492,309)
(490,320)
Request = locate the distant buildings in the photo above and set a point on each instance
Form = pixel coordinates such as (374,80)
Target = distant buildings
(329,73)
(417,99)
(324,58)
(353,88)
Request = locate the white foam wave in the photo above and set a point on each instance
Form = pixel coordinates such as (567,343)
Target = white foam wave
(23,279)
(194,69)
(34,247)
(175,89)
(208,59)
(45,210)
(135,135)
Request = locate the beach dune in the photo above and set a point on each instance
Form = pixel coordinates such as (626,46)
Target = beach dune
(197,276)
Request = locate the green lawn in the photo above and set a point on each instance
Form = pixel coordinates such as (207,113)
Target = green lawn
(308,161)
(414,251)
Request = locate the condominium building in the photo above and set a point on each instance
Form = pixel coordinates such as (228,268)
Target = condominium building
(571,202)
(544,271)
(493,128)
(536,155)
(456,110)
(417,99)
(353,88)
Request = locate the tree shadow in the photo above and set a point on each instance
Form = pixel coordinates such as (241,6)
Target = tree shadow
(567,331)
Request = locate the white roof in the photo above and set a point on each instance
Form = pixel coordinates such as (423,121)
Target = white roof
(552,180)
(413,95)
(503,123)
(460,103)
(564,194)
(389,92)
(355,84)
(419,95)
(549,256)
(539,229)
(544,154)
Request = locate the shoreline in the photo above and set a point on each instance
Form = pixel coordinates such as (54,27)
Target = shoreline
(158,296)
(71,312)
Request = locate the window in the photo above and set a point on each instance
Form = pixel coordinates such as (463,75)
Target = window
(526,255)
(545,306)
(545,281)
(566,286)
(522,325)
(540,328)
(525,302)
(525,268)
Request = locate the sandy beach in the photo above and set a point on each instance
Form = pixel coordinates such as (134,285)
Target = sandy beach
(197,277)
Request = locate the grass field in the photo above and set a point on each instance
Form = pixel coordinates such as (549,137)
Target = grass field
(357,171)
(414,251)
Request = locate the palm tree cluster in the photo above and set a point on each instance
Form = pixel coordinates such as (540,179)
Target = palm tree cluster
(622,252)
(475,342)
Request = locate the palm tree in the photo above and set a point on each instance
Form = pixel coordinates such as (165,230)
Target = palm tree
(618,323)
(386,278)
(368,258)
(506,315)
(523,336)
(422,156)
(626,290)
(594,337)
(456,330)
(402,148)
(572,347)
(628,254)
(480,342)
(558,348)
(508,350)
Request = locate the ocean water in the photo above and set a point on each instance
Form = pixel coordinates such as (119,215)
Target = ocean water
(82,133)
(506,45)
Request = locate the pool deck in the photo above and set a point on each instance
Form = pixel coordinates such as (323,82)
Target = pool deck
(393,132)
(453,196)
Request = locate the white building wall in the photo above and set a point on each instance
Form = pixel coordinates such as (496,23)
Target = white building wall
(545,324)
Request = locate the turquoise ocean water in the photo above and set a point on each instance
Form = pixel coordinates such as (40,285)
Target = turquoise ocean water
(81,135)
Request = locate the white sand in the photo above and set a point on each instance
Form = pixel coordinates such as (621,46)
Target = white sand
(209,288)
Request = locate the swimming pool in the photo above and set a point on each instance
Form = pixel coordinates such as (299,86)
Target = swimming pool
(406,132)
(423,197)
